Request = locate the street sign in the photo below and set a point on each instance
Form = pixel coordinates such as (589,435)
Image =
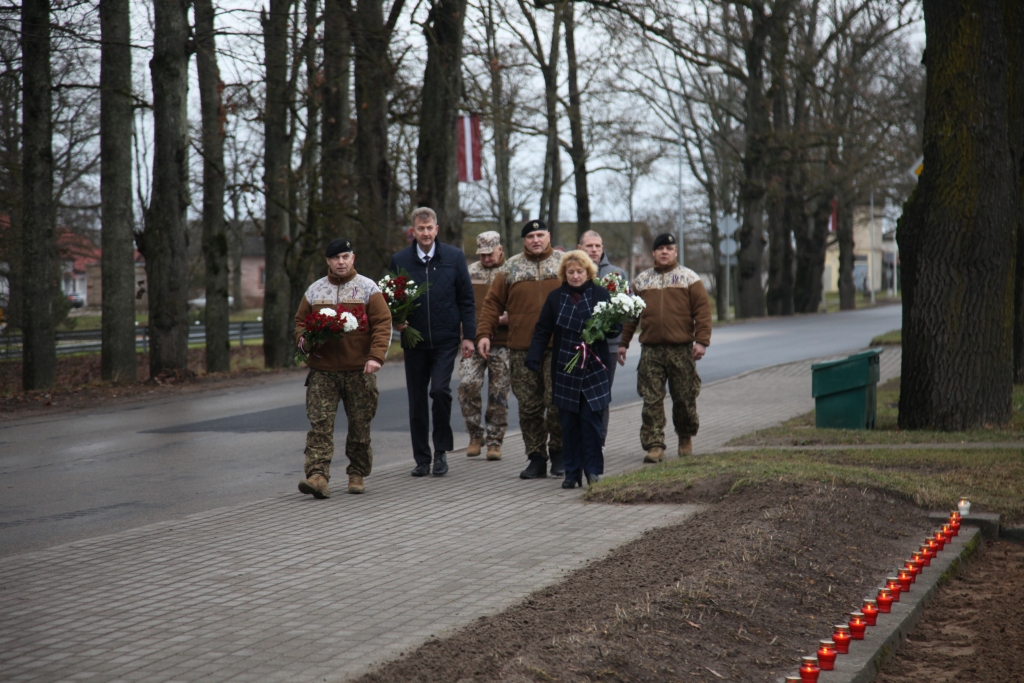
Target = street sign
(722,260)
(728,246)
(728,226)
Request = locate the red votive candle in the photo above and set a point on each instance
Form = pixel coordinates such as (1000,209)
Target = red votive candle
(809,670)
(827,655)
(954,524)
(940,538)
(933,547)
(919,557)
(927,553)
(947,531)
(841,637)
(884,600)
(906,577)
(893,584)
(870,610)
(911,567)
(917,563)
(857,625)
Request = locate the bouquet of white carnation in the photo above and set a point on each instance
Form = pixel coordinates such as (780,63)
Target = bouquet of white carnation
(607,314)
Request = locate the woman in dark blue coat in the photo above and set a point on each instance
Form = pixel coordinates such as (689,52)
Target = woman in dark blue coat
(582,395)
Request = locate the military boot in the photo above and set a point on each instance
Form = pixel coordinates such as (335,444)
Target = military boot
(656,454)
(537,469)
(355,483)
(685,446)
(475,444)
(315,486)
(557,469)
(494,452)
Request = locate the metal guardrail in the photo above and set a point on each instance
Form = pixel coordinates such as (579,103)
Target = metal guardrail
(86,341)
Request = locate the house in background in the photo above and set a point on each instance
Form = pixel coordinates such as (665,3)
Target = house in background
(878,261)
(94,282)
(77,252)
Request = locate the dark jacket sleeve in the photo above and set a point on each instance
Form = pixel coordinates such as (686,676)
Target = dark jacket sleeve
(465,298)
(542,332)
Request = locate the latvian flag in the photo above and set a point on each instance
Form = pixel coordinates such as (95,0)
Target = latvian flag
(468,131)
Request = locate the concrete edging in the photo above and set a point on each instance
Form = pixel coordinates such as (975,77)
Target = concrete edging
(881,641)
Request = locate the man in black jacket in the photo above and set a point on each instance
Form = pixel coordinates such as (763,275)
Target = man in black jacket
(447,303)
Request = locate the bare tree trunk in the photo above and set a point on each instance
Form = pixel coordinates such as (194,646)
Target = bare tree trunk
(336,141)
(502,125)
(578,152)
(959,229)
(374,76)
(750,300)
(844,238)
(551,183)
(38,269)
(779,300)
(117,239)
(163,242)
(437,181)
(812,242)
(277,333)
(215,241)
(1015,109)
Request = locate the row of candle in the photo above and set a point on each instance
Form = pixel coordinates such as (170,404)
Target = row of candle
(888,593)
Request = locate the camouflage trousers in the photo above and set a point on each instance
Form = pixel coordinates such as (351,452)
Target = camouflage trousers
(672,363)
(541,432)
(358,392)
(472,371)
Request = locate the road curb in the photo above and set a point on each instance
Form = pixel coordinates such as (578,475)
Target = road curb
(881,641)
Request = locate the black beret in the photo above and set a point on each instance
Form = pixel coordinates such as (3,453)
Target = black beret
(665,238)
(338,246)
(533,226)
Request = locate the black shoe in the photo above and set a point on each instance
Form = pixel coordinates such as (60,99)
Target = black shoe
(572,483)
(421,470)
(537,469)
(440,464)
(557,469)
(592,478)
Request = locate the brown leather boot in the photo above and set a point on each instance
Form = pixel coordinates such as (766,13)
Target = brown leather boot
(355,483)
(656,454)
(685,447)
(315,486)
(494,452)
(474,447)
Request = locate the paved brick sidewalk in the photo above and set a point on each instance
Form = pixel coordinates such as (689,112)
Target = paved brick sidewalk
(291,589)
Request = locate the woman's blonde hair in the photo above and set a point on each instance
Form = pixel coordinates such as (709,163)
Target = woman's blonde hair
(580,258)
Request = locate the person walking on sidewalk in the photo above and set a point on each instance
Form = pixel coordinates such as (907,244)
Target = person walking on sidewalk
(675,333)
(520,287)
(342,371)
(445,315)
(592,243)
(583,394)
(472,370)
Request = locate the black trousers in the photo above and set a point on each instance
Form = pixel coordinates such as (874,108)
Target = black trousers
(582,439)
(428,374)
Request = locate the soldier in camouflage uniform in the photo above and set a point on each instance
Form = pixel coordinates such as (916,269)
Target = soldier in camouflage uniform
(472,370)
(675,333)
(342,371)
(521,287)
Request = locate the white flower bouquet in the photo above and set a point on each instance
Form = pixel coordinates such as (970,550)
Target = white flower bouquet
(622,308)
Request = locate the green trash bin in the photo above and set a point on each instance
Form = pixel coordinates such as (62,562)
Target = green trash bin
(845,391)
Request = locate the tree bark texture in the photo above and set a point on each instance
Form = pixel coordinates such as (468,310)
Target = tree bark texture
(501,123)
(844,239)
(551,184)
(215,239)
(578,150)
(277,328)
(779,205)
(164,242)
(437,180)
(1015,113)
(959,229)
(118,359)
(337,199)
(812,242)
(750,300)
(38,246)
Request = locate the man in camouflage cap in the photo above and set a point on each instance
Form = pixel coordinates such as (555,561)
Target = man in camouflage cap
(473,369)
(341,371)
(675,331)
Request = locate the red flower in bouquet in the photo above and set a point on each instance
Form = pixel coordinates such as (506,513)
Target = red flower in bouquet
(326,324)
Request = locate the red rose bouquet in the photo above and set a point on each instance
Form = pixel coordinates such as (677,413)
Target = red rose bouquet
(400,292)
(326,324)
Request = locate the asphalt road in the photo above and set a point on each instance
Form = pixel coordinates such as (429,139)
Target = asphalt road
(80,475)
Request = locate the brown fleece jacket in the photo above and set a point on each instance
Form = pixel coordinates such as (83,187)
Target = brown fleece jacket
(482,278)
(353,350)
(520,287)
(678,308)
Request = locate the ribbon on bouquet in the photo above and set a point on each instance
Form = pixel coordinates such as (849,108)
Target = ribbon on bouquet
(584,352)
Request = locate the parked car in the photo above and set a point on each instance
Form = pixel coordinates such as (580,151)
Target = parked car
(76,299)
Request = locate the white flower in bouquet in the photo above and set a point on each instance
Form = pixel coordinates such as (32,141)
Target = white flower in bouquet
(328,312)
(349,322)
